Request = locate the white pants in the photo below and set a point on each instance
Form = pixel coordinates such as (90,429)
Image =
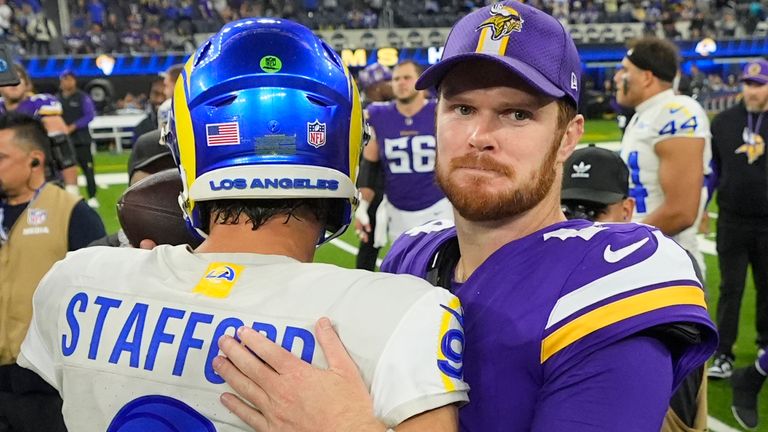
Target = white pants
(400,221)
(687,238)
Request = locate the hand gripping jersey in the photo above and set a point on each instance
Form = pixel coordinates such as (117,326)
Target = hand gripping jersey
(662,117)
(540,305)
(407,153)
(127,336)
(37,106)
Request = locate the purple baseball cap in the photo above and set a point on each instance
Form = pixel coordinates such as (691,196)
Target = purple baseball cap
(756,71)
(527,41)
(66,73)
(373,74)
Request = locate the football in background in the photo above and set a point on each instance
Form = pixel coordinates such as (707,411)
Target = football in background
(149,209)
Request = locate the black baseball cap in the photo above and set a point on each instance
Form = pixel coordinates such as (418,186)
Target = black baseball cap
(595,175)
(149,155)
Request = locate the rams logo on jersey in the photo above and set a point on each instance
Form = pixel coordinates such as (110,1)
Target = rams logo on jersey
(221,274)
(450,353)
(218,280)
(503,21)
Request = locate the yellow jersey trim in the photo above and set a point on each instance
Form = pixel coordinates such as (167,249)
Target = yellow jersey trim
(618,311)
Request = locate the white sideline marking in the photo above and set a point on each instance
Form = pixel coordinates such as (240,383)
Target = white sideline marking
(346,247)
(104,180)
(706,246)
(716,425)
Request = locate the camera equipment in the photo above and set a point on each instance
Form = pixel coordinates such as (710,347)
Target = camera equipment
(8,75)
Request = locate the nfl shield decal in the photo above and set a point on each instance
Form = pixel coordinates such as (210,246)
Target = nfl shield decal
(316,134)
(36,216)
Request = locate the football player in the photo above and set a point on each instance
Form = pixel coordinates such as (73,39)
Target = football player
(267,130)
(596,188)
(666,143)
(375,83)
(46,108)
(570,325)
(403,145)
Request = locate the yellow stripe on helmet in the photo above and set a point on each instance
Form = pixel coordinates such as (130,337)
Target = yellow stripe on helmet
(355,128)
(185,136)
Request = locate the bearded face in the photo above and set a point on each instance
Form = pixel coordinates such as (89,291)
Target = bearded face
(478,199)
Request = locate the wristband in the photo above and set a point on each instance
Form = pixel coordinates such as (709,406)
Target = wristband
(369,174)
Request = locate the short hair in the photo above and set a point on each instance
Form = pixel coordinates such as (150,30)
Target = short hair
(29,133)
(157,80)
(659,56)
(259,211)
(174,71)
(22,73)
(566,111)
(419,68)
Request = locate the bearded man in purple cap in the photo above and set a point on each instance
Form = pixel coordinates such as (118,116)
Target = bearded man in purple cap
(738,147)
(570,325)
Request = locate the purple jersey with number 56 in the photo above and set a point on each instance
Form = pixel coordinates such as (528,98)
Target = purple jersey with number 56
(538,306)
(407,153)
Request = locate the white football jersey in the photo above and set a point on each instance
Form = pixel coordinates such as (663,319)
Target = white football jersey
(664,116)
(127,336)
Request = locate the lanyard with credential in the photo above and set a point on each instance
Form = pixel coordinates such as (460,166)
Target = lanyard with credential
(3,232)
(753,132)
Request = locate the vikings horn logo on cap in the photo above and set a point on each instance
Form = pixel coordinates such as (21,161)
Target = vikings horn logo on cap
(754,69)
(503,21)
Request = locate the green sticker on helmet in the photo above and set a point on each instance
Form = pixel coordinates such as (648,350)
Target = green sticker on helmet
(271,64)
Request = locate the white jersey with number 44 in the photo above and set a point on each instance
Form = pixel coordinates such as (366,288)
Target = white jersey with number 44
(662,117)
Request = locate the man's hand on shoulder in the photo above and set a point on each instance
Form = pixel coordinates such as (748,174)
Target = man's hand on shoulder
(287,394)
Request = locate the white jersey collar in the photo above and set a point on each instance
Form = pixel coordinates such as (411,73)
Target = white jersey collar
(238,257)
(654,100)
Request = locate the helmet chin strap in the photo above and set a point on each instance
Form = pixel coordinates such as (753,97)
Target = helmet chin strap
(185,205)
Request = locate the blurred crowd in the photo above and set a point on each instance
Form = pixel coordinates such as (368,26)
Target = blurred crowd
(713,91)
(146,26)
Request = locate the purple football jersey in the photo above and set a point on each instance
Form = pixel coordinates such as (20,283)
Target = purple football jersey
(540,305)
(37,106)
(407,152)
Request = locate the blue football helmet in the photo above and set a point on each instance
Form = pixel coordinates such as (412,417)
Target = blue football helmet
(266,110)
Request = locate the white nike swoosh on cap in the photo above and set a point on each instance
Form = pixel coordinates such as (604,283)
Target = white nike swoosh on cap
(614,256)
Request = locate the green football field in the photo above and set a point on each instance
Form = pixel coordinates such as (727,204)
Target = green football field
(341,252)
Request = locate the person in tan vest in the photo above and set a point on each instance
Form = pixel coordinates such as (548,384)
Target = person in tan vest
(39,223)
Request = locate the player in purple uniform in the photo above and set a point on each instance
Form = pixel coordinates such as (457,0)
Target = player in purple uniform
(570,325)
(403,142)
(375,83)
(46,108)
(596,188)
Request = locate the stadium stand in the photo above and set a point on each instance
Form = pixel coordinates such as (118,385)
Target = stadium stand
(159,27)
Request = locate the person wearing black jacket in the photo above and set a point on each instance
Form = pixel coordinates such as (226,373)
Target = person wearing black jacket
(77,112)
(738,149)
